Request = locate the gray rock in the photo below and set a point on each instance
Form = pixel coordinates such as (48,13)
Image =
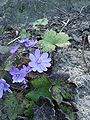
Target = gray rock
(44,113)
(71,61)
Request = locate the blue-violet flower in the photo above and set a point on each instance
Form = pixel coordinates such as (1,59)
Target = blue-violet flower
(39,62)
(4,87)
(28,43)
(18,75)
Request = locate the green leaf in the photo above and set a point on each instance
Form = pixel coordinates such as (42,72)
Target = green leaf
(50,36)
(68,110)
(41,86)
(67,92)
(41,82)
(8,64)
(35,94)
(43,21)
(4,49)
(65,88)
(46,46)
(56,93)
(62,37)
(29,111)
(24,33)
(52,39)
(13,108)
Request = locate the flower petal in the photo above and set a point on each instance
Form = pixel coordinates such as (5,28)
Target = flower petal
(43,68)
(24,67)
(9,91)
(14,71)
(21,80)
(37,53)
(24,40)
(46,60)
(6,87)
(1,92)
(34,68)
(31,43)
(27,44)
(32,57)
(44,56)
(2,81)
(29,69)
(32,64)
(39,69)
(46,64)
(17,79)
(23,73)
(14,49)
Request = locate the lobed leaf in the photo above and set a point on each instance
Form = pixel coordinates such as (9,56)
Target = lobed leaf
(65,89)
(52,39)
(35,94)
(41,82)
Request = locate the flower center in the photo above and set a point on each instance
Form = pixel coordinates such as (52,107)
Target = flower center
(39,61)
(17,75)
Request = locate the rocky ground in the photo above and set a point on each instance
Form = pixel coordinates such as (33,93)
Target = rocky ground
(71,61)
(68,60)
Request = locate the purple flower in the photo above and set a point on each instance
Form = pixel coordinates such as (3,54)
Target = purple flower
(28,43)
(27,69)
(24,40)
(39,62)
(4,87)
(14,49)
(18,75)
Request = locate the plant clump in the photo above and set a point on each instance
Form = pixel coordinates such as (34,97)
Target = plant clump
(28,67)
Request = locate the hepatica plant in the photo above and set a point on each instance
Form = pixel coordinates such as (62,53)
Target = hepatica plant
(27,64)
(38,62)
